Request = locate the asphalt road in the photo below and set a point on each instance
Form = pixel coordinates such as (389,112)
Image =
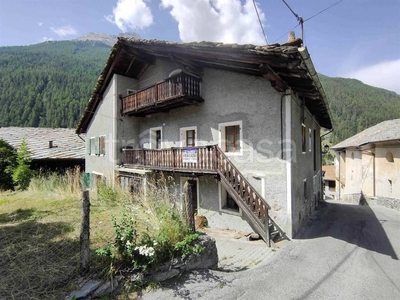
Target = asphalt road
(344,252)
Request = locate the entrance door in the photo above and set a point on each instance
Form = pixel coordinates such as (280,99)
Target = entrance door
(192,185)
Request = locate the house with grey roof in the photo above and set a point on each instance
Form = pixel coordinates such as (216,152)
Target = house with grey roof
(51,148)
(239,123)
(368,165)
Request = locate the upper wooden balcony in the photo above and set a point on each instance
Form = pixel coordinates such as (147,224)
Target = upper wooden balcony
(176,91)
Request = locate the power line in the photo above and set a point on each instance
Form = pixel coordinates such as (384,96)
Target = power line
(301,20)
(323,10)
(259,20)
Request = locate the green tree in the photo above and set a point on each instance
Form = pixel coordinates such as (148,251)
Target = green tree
(22,173)
(8,159)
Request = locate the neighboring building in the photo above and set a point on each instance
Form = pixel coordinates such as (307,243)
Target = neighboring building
(368,165)
(51,148)
(239,123)
(328,174)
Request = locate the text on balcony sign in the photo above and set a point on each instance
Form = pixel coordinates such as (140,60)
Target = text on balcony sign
(189,156)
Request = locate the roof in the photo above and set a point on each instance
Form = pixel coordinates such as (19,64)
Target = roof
(285,66)
(66,143)
(329,172)
(382,132)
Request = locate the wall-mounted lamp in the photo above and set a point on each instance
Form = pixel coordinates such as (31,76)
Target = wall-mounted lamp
(326,149)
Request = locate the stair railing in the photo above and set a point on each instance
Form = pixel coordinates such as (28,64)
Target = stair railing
(247,198)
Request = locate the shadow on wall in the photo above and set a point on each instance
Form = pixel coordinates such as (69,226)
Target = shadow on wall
(355,224)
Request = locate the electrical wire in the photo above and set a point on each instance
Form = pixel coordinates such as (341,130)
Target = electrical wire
(323,10)
(300,19)
(259,20)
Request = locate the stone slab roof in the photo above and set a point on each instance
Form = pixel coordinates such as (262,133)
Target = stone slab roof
(329,172)
(66,143)
(286,66)
(382,132)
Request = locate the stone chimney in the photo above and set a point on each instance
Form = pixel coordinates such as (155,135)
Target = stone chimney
(291,37)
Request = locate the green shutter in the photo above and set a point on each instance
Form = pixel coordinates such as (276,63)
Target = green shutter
(97,146)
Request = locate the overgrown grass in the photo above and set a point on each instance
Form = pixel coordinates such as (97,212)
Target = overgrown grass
(39,236)
(40,227)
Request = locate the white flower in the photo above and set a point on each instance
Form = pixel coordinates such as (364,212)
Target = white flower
(144,250)
(155,243)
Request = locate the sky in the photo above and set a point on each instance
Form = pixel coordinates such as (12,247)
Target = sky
(346,38)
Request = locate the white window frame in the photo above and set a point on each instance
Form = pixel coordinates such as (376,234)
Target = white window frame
(183,131)
(222,138)
(151,139)
(222,198)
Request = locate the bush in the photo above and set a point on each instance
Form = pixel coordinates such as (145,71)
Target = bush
(8,160)
(22,173)
(152,229)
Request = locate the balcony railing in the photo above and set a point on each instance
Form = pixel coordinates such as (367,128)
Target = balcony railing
(175,91)
(195,159)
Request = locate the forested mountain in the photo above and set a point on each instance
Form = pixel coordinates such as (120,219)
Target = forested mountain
(49,84)
(356,106)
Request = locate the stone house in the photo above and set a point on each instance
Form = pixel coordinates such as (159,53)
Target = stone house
(368,165)
(239,123)
(329,180)
(52,149)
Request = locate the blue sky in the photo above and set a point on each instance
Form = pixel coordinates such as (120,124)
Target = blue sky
(354,38)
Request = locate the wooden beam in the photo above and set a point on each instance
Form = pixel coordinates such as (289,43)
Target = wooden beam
(276,82)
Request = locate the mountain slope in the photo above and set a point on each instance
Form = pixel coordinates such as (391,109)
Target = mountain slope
(356,106)
(49,84)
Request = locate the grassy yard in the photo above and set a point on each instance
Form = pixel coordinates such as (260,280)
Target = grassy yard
(39,238)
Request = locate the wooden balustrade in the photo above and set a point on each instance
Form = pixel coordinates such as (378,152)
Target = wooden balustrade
(212,160)
(172,159)
(175,87)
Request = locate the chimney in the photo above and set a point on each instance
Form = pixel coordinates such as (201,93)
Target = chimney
(291,37)
(50,144)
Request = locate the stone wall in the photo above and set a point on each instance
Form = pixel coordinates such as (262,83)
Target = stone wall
(389,202)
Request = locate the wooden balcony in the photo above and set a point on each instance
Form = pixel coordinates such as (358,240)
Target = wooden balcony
(176,91)
(188,160)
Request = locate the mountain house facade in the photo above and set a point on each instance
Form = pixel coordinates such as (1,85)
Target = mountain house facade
(240,123)
(368,165)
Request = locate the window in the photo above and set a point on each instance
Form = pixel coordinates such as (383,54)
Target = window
(156,138)
(230,137)
(188,136)
(315,150)
(389,157)
(96,145)
(309,140)
(303,138)
(305,189)
(230,203)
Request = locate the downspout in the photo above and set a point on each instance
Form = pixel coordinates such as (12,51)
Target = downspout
(282,97)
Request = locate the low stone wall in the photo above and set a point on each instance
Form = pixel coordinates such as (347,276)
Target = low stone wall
(352,198)
(389,202)
(207,259)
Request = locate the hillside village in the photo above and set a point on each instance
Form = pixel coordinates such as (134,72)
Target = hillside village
(236,133)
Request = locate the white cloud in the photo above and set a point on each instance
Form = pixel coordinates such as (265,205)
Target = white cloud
(46,39)
(40,23)
(131,14)
(384,75)
(227,21)
(64,31)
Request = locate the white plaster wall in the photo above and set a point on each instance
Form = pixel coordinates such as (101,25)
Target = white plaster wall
(386,171)
(354,172)
(303,167)
(103,124)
